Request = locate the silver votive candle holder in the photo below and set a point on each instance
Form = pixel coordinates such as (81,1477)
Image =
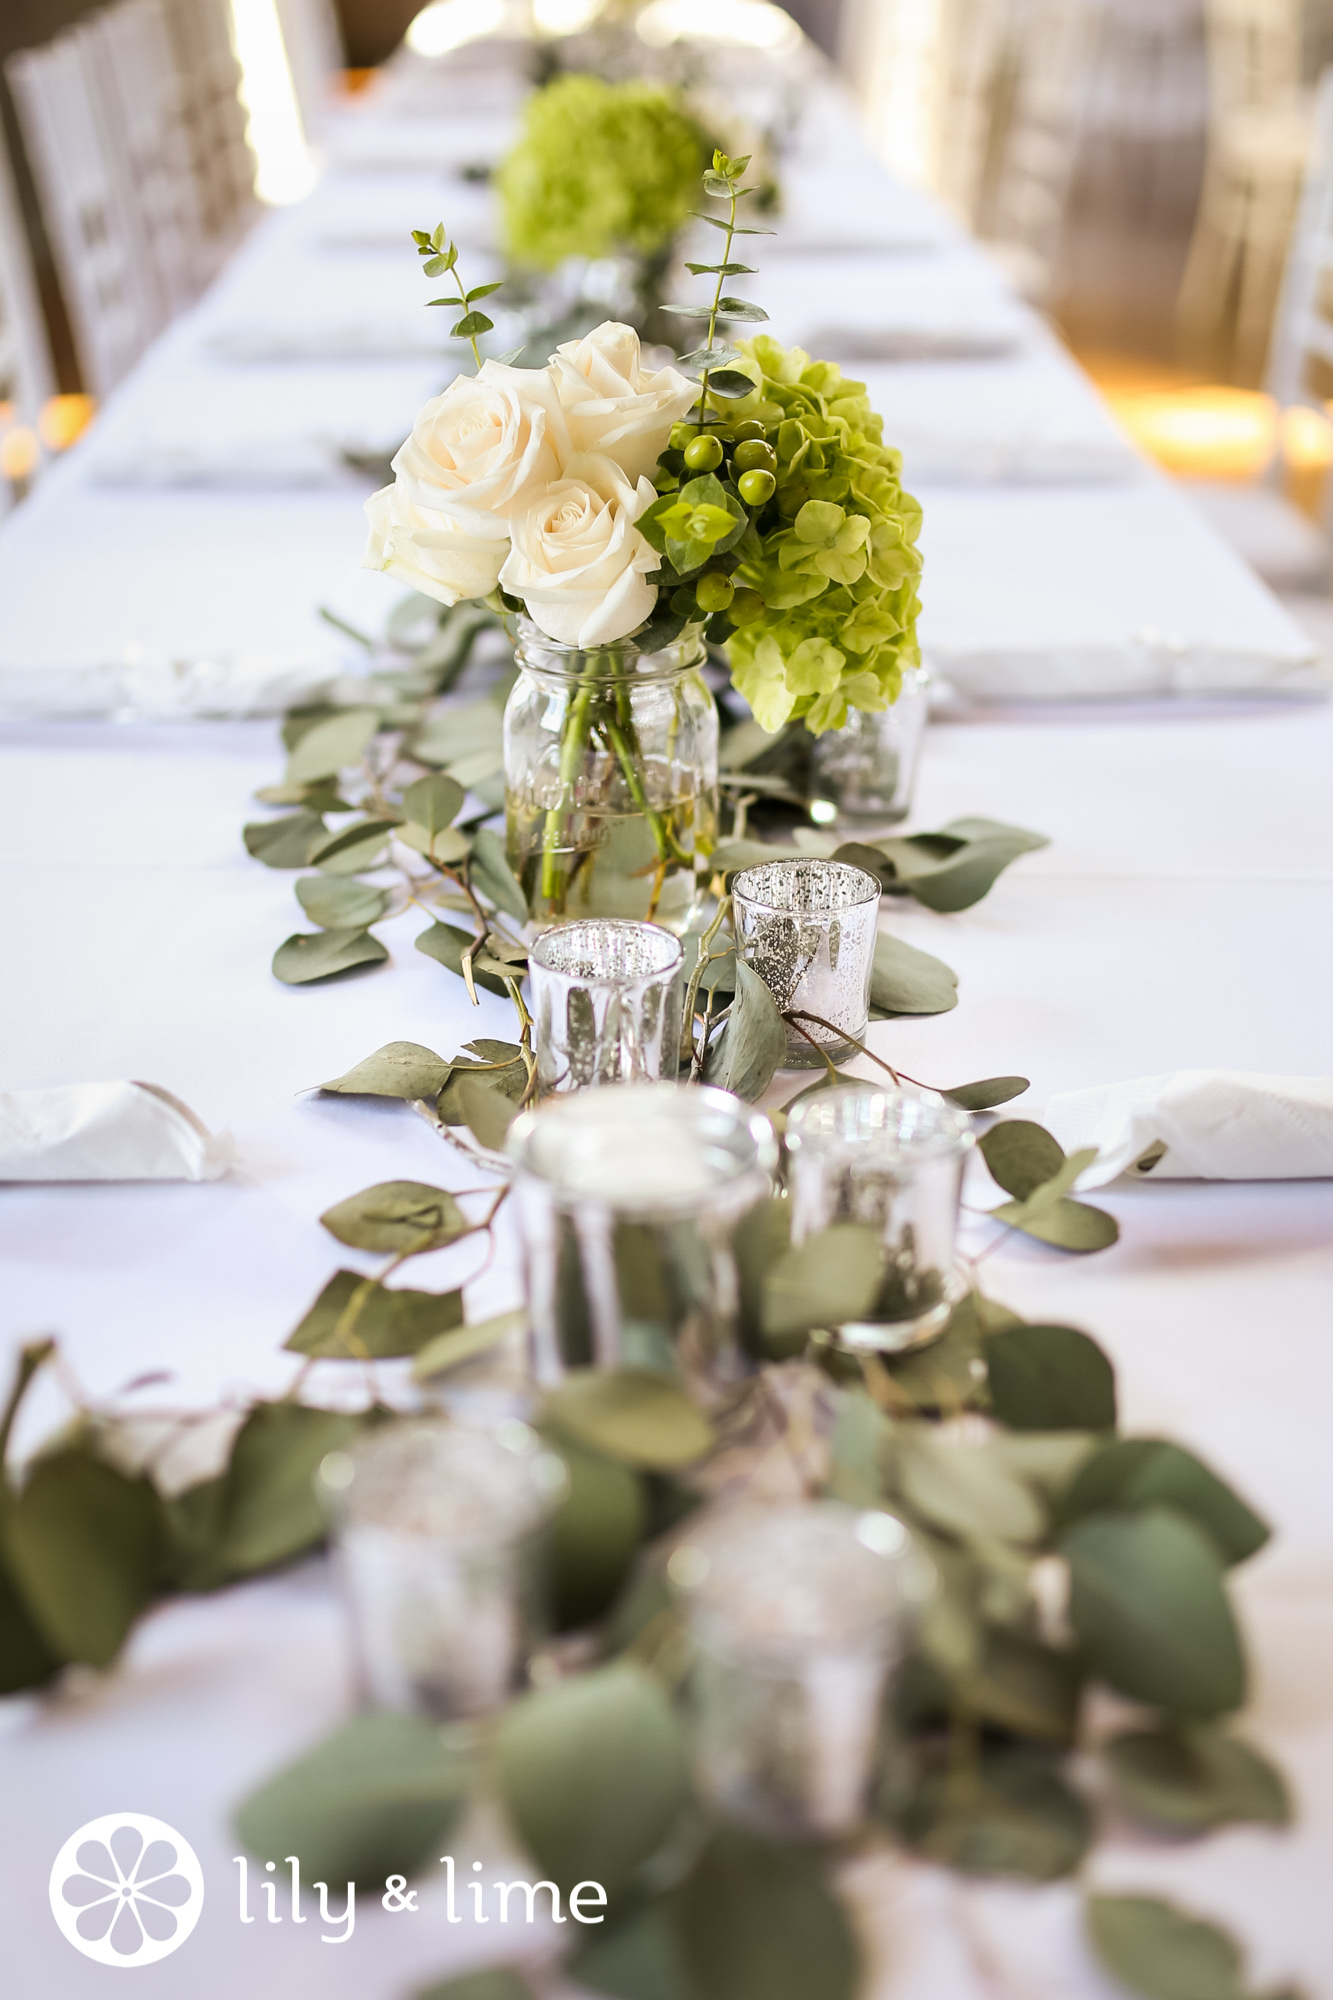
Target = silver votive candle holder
(807,927)
(892,1160)
(439,1533)
(606,998)
(799,1616)
(867,769)
(627,1202)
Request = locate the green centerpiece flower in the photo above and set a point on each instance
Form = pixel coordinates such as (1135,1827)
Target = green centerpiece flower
(600,170)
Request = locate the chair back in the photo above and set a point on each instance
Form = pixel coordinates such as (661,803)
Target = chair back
(26,377)
(313,41)
(1300,367)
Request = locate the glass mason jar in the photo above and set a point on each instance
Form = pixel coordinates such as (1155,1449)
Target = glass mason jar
(611,779)
(867,769)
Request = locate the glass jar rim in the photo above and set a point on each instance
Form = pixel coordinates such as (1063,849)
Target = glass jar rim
(428,1477)
(873,1119)
(850,888)
(538,654)
(622,938)
(707,1142)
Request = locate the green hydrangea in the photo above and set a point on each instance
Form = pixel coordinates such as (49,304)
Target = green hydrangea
(838,568)
(599,168)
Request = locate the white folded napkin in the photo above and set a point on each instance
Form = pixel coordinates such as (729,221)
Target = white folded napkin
(107,1132)
(1201,1124)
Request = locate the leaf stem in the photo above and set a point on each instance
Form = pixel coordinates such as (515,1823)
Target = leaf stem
(717,301)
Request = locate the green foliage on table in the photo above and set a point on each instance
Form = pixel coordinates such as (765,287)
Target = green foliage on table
(1030,1164)
(1154,1949)
(598,169)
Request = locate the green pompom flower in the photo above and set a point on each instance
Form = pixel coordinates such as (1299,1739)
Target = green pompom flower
(599,169)
(834,554)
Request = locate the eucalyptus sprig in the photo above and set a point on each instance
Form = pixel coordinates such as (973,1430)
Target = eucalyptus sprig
(440,255)
(723,180)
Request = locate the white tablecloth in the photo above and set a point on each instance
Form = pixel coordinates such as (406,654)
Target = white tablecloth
(1182,916)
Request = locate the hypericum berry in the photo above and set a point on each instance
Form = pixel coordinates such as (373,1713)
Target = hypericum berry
(756,487)
(714,591)
(704,454)
(753,455)
(745,607)
(681,434)
(750,428)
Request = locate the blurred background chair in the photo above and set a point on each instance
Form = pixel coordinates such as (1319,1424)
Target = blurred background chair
(26,379)
(312,37)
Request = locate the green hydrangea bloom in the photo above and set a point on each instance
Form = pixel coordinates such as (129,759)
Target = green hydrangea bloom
(599,168)
(838,568)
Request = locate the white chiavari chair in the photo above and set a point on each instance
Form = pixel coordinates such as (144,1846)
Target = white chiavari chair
(1258,136)
(26,378)
(214,121)
(109,290)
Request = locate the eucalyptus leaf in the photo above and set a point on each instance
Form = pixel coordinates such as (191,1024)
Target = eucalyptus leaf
(833,1277)
(862,1437)
(1021,1156)
(84,1547)
(459,732)
(636,1957)
(433,803)
(595,1535)
(493,876)
(332,745)
(448,847)
(398,1218)
(269,1512)
(950,1373)
(399,1069)
(1156,1950)
(953,869)
(907,981)
(969,1489)
(451,1350)
(27,1660)
(446,944)
(487,1112)
(758,1920)
(375,1799)
(354,1318)
(1189,1779)
(753,1045)
(341,904)
(354,848)
(986,1094)
(1007,1813)
(1050,1378)
(310,955)
(289,842)
(509,1077)
(593,1773)
(1146,1472)
(629,1414)
(1021,1685)
(1149,1608)
(759,1239)
(497,1982)
(1064,1224)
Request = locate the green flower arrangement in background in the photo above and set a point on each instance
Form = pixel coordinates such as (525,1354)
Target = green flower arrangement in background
(600,169)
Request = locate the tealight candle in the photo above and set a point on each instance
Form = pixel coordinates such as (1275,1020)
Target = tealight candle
(807,927)
(606,997)
(627,1202)
(437,1529)
(891,1159)
(798,1615)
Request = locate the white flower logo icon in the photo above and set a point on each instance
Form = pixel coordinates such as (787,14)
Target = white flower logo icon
(126,1889)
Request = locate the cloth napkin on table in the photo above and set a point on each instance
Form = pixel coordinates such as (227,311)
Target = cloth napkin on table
(1201,1124)
(107,1132)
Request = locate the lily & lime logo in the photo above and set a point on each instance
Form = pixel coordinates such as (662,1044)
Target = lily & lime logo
(126,1889)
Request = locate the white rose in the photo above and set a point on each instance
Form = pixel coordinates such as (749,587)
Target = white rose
(428,551)
(485,447)
(613,405)
(578,561)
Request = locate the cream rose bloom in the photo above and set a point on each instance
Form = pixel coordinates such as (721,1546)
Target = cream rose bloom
(485,447)
(578,561)
(428,551)
(613,405)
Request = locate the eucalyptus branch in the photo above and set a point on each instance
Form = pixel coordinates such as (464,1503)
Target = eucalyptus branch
(440,256)
(799,1014)
(733,197)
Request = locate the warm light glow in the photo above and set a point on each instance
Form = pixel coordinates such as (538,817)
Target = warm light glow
(1307,439)
(1204,433)
(63,419)
(745,24)
(450,23)
(565,17)
(897,77)
(285,172)
(20,454)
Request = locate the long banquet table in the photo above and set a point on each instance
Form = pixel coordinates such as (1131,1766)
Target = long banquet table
(1182,916)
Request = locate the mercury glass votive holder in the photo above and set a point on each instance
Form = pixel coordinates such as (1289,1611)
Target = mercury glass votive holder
(606,997)
(893,1160)
(807,927)
(628,1200)
(439,1536)
(867,769)
(799,1615)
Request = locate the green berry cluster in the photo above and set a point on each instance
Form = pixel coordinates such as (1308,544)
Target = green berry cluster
(716,481)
